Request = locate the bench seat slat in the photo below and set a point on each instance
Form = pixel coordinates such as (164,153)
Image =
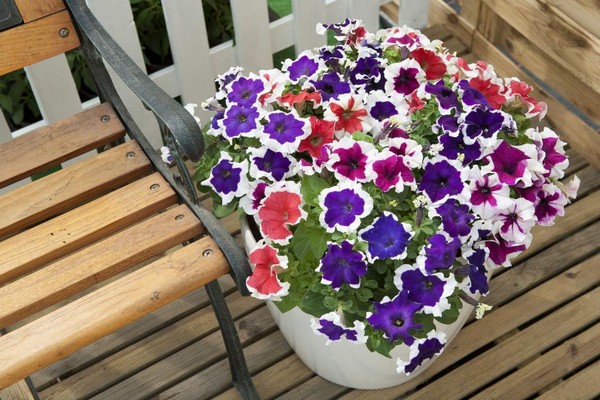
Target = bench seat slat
(58,142)
(72,186)
(29,43)
(93,221)
(109,308)
(96,263)
(34,9)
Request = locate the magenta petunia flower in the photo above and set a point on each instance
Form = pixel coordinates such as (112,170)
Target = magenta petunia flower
(550,203)
(509,163)
(391,172)
(488,195)
(351,159)
(515,222)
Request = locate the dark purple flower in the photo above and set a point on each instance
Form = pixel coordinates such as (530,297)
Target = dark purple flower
(445,96)
(343,207)
(440,254)
(509,163)
(448,123)
(386,238)
(471,96)
(214,122)
(551,202)
(455,218)
(303,66)
(396,318)
(331,330)
(245,91)
(477,272)
(440,179)
(273,163)
(552,156)
(455,145)
(341,264)
(427,350)
(368,71)
(284,128)
(406,81)
(383,110)
(239,120)
(424,289)
(330,86)
(482,122)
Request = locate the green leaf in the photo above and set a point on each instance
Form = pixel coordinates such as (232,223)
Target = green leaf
(288,302)
(221,211)
(377,343)
(312,186)
(309,242)
(451,315)
(314,304)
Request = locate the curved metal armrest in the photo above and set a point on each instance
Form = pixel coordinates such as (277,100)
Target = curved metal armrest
(181,124)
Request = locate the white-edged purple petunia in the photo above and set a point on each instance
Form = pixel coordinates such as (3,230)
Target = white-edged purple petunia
(239,121)
(396,318)
(342,265)
(245,91)
(343,206)
(386,238)
(403,77)
(441,179)
(284,131)
(456,218)
(330,325)
(439,254)
(420,351)
(267,163)
(430,290)
(228,178)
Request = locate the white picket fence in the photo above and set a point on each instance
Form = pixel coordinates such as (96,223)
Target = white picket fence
(196,65)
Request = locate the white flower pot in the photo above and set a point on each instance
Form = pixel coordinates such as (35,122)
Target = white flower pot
(345,363)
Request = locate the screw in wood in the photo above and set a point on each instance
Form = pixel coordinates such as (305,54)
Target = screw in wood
(130,154)
(105,118)
(63,32)
(178,217)
(207,253)
(154,186)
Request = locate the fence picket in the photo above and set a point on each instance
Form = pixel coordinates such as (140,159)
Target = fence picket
(306,15)
(367,11)
(252,36)
(5,134)
(190,49)
(413,13)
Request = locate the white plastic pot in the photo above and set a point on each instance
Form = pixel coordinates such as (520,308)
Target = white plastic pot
(343,362)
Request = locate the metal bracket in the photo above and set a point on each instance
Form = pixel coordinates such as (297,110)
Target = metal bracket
(9,15)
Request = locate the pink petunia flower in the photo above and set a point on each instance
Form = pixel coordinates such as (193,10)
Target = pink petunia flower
(281,207)
(264,282)
(515,222)
(550,203)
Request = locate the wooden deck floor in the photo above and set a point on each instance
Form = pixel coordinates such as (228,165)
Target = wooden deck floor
(541,339)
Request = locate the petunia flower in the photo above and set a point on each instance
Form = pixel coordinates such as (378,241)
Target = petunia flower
(321,133)
(430,290)
(331,86)
(410,151)
(510,164)
(488,195)
(387,238)
(343,206)
(228,178)
(240,121)
(396,318)
(456,218)
(445,96)
(441,179)
(351,159)
(515,222)
(251,201)
(483,125)
(305,65)
(433,65)
(455,148)
(330,325)
(349,115)
(501,251)
(264,282)
(342,265)
(281,207)
(549,204)
(284,132)
(517,95)
(552,151)
(439,254)
(477,272)
(403,77)
(244,91)
(420,351)
(270,164)
(391,172)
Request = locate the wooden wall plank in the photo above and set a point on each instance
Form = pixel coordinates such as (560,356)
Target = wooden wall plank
(556,34)
(35,41)
(584,12)
(442,13)
(469,10)
(34,9)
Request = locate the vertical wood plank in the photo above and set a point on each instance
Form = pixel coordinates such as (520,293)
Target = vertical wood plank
(5,134)
(191,51)
(368,12)
(252,37)
(117,19)
(413,13)
(307,14)
(469,10)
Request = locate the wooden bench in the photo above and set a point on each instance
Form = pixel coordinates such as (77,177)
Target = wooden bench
(97,245)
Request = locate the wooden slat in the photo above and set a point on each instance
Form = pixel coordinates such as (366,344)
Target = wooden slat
(34,9)
(469,10)
(547,368)
(17,391)
(44,243)
(89,318)
(584,12)
(96,263)
(58,142)
(72,186)
(556,34)
(29,43)
(573,130)
(583,385)
(442,13)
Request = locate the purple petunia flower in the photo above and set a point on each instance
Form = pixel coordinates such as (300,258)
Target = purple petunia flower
(330,325)
(472,97)
(403,77)
(284,132)
(550,203)
(509,163)
(330,86)
(396,318)
(351,158)
(302,66)
(383,110)
(455,218)
(440,179)
(341,264)
(424,289)
(455,145)
(269,163)
(228,179)
(445,96)
(440,254)
(255,195)
(386,238)
(448,123)
(482,122)
(239,121)
(368,71)
(422,350)
(343,207)
(244,91)
(477,272)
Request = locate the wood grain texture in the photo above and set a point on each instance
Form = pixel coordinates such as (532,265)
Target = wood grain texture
(547,368)
(96,263)
(584,12)
(582,385)
(35,41)
(34,9)
(51,145)
(72,186)
(559,36)
(572,129)
(442,13)
(17,391)
(469,10)
(91,317)
(84,225)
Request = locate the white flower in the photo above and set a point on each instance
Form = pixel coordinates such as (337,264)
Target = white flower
(481,309)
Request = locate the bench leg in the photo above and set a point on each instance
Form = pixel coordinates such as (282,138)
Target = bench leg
(239,370)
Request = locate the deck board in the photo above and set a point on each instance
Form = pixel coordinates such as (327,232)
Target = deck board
(546,311)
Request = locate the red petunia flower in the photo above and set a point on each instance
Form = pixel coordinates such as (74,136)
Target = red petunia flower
(490,90)
(278,210)
(348,114)
(434,66)
(290,98)
(321,133)
(264,283)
